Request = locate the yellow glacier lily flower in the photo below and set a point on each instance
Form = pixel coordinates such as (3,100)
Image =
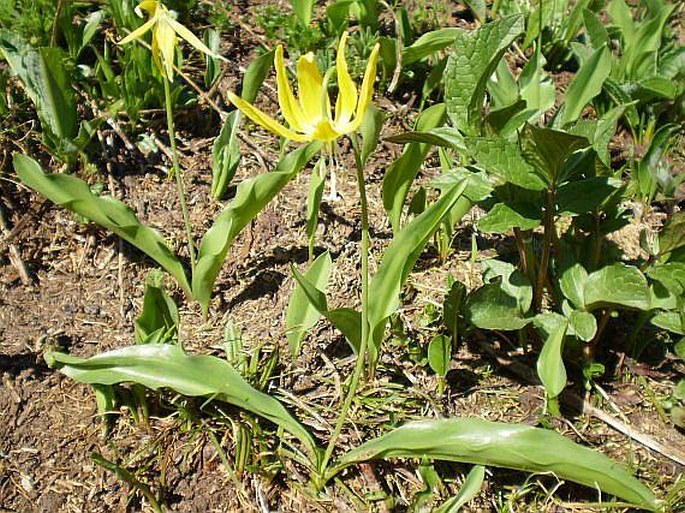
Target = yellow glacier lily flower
(164,31)
(309,116)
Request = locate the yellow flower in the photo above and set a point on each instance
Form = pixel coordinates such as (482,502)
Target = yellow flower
(164,30)
(309,116)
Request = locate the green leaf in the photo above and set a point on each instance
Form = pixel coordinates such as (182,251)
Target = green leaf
(504,160)
(670,321)
(548,151)
(314,195)
(255,75)
(536,86)
(400,257)
(371,131)
(491,308)
(158,322)
(401,173)
(301,316)
(428,44)
(672,235)
(452,309)
(439,354)
(251,197)
(157,366)
(583,325)
(225,155)
(504,217)
(580,196)
(514,446)
(303,10)
(345,320)
(475,58)
(617,284)
(586,84)
(469,490)
(74,194)
(46,82)
(572,282)
(442,136)
(599,36)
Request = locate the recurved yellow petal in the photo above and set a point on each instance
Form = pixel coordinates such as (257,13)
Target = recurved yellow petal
(347,91)
(186,34)
(366,92)
(165,38)
(265,120)
(139,32)
(150,6)
(292,112)
(309,85)
(324,131)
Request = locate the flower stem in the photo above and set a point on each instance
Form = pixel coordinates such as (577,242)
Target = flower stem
(178,175)
(361,356)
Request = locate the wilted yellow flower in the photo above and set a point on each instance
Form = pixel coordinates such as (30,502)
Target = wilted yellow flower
(309,116)
(164,30)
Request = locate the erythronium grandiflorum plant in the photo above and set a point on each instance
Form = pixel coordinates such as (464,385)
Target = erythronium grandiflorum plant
(311,119)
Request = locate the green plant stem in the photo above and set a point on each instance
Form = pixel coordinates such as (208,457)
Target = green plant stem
(361,356)
(177,174)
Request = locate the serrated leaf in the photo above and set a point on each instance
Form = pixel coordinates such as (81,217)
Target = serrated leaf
(504,217)
(251,197)
(475,58)
(580,196)
(74,194)
(301,315)
(159,366)
(514,446)
(504,160)
(547,151)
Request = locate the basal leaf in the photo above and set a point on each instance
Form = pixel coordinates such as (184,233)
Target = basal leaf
(572,282)
(439,354)
(429,43)
(74,194)
(301,315)
(514,446)
(225,155)
(401,173)
(400,257)
(469,490)
(586,84)
(672,235)
(475,58)
(161,366)
(550,365)
(251,197)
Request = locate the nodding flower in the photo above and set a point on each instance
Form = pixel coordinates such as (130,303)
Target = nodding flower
(165,30)
(310,115)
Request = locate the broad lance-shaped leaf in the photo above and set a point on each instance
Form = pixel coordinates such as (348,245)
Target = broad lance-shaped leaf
(512,446)
(586,84)
(474,60)
(469,490)
(301,315)
(429,43)
(400,257)
(251,197)
(167,366)
(74,194)
(401,173)
(550,365)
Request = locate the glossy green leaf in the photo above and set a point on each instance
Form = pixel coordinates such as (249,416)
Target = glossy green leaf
(504,217)
(401,173)
(429,43)
(550,365)
(301,315)
(371,131)
(491,308)
(572,284)
(158,322)
(586,84)
(469,490)
(617,284)
(672,235)
(225,155)
(514,446)
(670,321)
(548,150)
(46,82)
(251,197)
(74,194)
(345,320)
(580,196)
(162,366)
(400,257)
(440,354)
(583,325)
(255,74)
(475,58)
